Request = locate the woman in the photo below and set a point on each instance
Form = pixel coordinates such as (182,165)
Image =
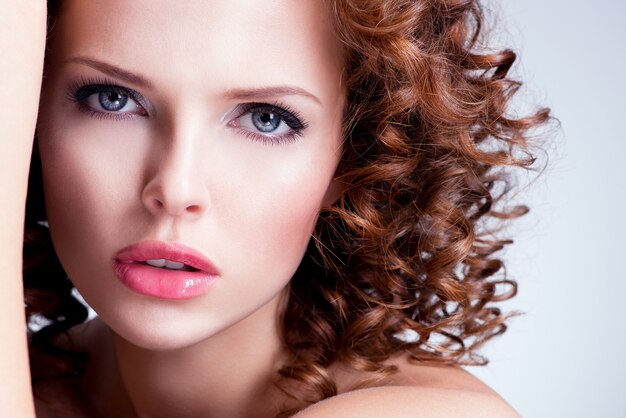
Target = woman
(269,208)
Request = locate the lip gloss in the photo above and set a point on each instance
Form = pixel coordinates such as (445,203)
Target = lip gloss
(193,280)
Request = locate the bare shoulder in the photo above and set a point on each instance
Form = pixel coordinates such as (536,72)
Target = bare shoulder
(411,401)
(416,390)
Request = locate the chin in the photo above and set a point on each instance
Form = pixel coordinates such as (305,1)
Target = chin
(167,326)
(154,336)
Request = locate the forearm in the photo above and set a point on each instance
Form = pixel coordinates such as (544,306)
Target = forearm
(22,37)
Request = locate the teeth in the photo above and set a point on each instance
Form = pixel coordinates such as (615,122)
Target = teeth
(163,263)
(174,265)
(156,263)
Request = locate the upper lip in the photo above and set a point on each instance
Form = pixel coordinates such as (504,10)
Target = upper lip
(154,250)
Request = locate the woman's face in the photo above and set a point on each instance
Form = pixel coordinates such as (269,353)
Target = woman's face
(215,125)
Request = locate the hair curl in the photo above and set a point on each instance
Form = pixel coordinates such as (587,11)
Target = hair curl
(409,247)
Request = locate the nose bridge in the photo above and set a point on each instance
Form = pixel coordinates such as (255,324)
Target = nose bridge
(177,186)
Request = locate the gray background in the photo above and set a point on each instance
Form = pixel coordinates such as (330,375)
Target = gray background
(565,356)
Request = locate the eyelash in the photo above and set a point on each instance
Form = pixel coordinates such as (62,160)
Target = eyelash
(79,93)
(284,112)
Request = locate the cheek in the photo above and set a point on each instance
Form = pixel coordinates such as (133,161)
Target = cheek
(270,214)
(86,197)
(90,169)
(74,214)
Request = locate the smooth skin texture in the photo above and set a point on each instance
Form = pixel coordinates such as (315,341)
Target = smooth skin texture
(22,39)
(181,160)
(416,402)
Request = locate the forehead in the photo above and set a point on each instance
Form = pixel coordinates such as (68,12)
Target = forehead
(259,41)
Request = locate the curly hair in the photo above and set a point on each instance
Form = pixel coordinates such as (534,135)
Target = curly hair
(404,261)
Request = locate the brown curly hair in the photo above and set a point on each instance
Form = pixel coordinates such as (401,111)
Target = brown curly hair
(404,261)
(409,246)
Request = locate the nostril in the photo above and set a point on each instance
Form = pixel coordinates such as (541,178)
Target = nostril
(193,208)
(174,201)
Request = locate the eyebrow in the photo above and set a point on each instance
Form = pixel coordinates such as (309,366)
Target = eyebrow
(265,92)
(113,71)
(232,94)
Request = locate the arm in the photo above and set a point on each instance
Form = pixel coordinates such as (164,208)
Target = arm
(22,38)
(411,402)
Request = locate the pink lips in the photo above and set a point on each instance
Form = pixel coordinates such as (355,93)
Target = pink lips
(193,280)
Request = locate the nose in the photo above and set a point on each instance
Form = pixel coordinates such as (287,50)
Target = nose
(176,186)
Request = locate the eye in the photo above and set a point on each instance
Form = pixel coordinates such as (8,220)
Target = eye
(112,101)
(108,100)
(265,122)
(268,123)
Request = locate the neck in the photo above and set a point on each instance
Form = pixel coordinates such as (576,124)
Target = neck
(230,374)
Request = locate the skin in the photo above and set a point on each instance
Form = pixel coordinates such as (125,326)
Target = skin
(22,36)
(182,166)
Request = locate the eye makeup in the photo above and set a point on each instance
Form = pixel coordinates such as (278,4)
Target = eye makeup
(269,123)
(80,93)
(259,112)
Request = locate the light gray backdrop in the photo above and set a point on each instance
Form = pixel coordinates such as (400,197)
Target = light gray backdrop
(566,356)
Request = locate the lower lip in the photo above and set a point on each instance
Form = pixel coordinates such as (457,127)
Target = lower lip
(162,283)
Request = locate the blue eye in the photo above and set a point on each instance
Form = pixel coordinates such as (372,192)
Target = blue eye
(108,100)
(268,123)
